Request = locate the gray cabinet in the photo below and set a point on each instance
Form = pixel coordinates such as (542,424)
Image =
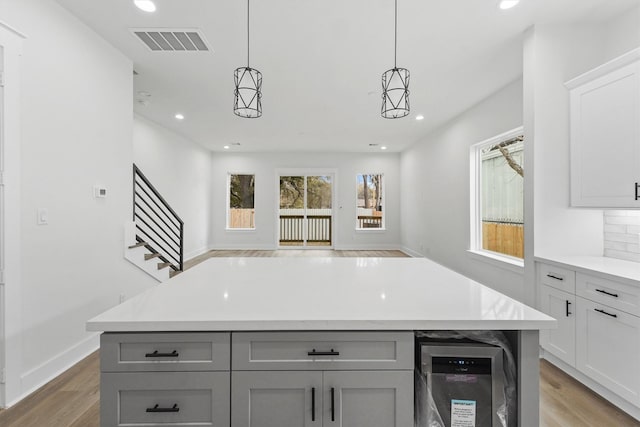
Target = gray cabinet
(301,379)
(322,398)
(162,379)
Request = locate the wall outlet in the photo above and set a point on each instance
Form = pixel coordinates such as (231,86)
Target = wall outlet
(43,216)
(122,298)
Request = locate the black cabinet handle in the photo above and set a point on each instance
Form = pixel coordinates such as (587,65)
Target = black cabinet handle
(174,353)
(602,291)
(567,308)
(333,411)
(637,190)
(156,408)
(323,353)
(555,277)
(313,403)
(604,312)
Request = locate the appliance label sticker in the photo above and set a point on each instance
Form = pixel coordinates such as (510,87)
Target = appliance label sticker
(463,413)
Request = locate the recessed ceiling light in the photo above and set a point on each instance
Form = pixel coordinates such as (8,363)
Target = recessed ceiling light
(180,116)
(508,4)
(383,148)
(420,117)
(226,147)
(146,5)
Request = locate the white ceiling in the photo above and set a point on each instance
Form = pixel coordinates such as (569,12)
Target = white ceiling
(322,63)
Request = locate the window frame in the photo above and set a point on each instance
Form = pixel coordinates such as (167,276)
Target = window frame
(384,204)
(475,249)
(228,203)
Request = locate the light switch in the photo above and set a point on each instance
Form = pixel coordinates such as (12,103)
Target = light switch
(43,216)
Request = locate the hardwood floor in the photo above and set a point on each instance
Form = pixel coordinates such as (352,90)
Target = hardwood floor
(73,398)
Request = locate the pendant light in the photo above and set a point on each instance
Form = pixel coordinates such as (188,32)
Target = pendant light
(395,85)
(248,93)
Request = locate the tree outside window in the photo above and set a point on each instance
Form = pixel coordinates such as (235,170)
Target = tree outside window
(241,213)
(370,200)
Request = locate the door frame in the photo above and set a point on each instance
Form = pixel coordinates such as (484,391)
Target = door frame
(333,173)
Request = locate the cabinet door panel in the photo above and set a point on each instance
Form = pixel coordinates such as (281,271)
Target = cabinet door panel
(561,306)
(368,399)
(276,399)
(607,344)
(605,113)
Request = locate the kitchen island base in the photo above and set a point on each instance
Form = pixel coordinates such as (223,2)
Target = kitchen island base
(275,379)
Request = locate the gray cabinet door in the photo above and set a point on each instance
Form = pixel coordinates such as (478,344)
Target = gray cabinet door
(276,399)
(368,399)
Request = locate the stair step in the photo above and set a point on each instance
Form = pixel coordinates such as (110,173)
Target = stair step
(138,245)
(162,265)
(173,273)
(147,257)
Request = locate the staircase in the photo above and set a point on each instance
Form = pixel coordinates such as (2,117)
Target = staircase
(154,240)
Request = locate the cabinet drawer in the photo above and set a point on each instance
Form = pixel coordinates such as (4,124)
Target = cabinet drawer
(138,352)
(322,350)
(164,398)
(557,277)
(614,294)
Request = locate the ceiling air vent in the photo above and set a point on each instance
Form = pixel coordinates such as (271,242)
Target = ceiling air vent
(171,40)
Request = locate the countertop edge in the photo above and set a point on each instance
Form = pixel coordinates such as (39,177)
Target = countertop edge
(594,271)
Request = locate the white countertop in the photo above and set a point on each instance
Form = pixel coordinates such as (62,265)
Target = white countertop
(232,294)
(602,266)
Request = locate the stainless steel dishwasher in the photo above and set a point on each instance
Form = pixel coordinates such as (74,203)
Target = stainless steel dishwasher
(464,384)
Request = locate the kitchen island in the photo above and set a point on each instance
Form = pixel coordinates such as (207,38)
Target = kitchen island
(291,341)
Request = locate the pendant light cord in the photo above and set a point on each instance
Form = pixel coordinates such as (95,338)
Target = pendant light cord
(248,34)
(395,48)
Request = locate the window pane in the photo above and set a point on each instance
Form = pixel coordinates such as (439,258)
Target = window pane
(241,201)
(291,192)
(318,192)
(502,197)
(369,201)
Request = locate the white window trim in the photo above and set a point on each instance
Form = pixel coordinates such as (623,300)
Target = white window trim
(475,203)
(228,202)
(384,204)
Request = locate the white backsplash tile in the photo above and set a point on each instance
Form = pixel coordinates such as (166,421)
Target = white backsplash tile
(622,235)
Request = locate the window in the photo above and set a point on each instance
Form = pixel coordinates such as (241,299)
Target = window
(497,196)
(241,213)
(370,200)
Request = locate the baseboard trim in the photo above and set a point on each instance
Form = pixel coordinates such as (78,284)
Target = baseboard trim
(613,398)
(411,252)
(196,253)
(32,380)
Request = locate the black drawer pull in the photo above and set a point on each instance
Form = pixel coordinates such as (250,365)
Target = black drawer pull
(323,353)
(555,277)
(567,308)
(604,312)
(637,190)
(313,403)
(156,408)
(607,293)
(174,353)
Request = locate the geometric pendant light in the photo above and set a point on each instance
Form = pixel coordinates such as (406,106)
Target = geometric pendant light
(395,85)
(248,92)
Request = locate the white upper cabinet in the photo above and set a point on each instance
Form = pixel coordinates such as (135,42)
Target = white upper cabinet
(605,135)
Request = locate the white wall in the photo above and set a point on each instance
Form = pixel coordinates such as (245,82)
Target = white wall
(435,189)
(265,166)
(622,33)
(181,171)
(76,126)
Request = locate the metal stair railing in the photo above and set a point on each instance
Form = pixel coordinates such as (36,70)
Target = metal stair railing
(157,224)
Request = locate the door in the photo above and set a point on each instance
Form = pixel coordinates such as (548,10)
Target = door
(305,217)
(607,345)
(368,398)
(276,399)
(560,305)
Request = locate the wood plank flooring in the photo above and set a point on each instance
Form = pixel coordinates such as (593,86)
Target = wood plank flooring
(73,398)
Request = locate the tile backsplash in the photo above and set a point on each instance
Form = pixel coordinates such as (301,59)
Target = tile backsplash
(622,235)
